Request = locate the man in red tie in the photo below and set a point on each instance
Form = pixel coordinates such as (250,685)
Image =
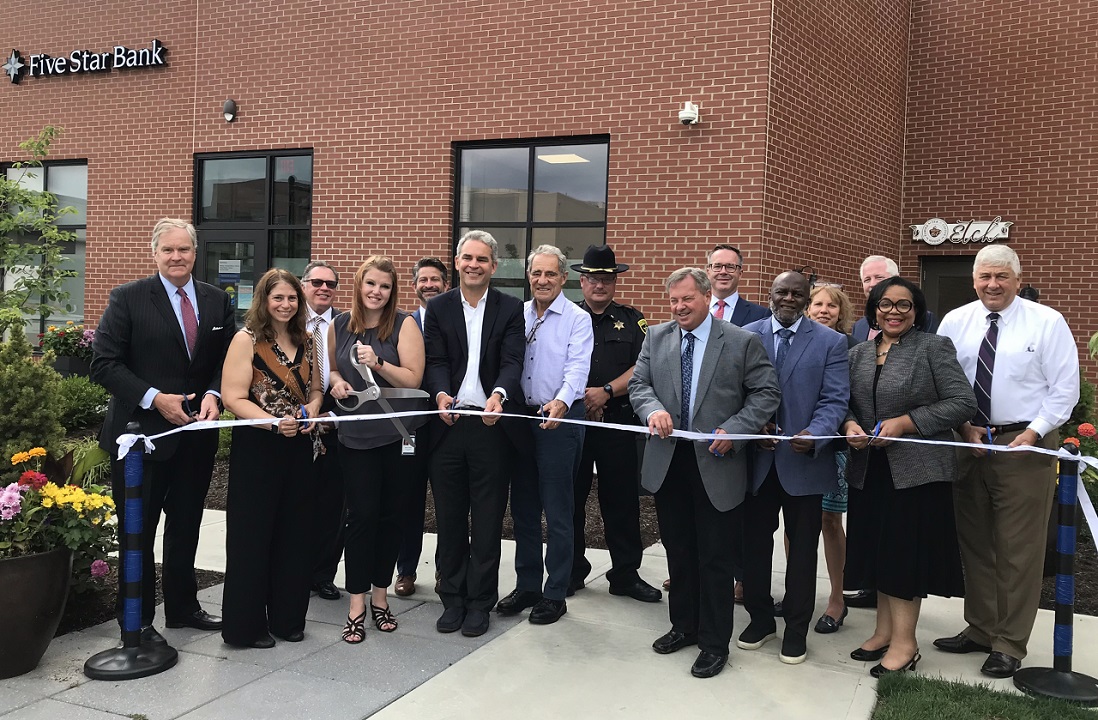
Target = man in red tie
(725,268)
(159,349)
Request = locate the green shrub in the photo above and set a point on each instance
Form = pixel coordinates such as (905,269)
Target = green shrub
(91,464)
(224,437)
(83,403)
(30,403)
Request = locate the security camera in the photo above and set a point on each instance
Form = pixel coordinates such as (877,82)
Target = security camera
(689,114)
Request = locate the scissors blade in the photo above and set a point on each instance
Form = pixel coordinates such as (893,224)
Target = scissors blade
(399,425)
(403,393)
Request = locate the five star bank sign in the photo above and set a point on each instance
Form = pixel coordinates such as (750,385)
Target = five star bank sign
(85,61)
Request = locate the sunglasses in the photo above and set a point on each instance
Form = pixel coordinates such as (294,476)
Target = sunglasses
(316,282)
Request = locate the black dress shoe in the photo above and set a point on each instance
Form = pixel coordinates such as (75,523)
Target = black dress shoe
(638,590)
(707,665)
(475,624)
(673,641)
(547,611)
(879,669)
(861,599)
(294,636)
(149,636)
(199,620)
(518,601)
(960,643)
(827,624)
(326,591)
(265,642)
(451,620)
(863,655)
(1000,665)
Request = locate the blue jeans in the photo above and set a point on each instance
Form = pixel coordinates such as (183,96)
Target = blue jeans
(557,455)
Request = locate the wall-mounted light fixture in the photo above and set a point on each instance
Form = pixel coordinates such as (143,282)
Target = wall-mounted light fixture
(229,110)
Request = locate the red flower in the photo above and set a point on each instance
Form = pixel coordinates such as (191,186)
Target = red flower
(1072,441)
(33,478)
(1087,430)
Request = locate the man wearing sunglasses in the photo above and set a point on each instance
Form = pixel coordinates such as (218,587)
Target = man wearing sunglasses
(320,281)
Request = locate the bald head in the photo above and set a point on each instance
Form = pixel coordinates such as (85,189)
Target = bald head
(789,296)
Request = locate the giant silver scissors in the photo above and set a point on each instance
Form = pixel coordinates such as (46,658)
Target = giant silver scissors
(357,398)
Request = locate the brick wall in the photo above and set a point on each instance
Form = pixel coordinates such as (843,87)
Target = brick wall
(1003,120)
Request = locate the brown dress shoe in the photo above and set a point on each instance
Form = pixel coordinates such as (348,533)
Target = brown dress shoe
(405,585)
(667,584)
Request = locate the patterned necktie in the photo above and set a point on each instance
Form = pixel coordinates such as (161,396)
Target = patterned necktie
(190,322)
(783,348)
(720,310)
(985,365)
(321,355)
(687,381)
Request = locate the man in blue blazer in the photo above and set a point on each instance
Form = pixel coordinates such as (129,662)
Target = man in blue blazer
(792,477)
(724,266)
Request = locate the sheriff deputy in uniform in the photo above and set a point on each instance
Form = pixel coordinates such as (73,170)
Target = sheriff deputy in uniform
(619,331)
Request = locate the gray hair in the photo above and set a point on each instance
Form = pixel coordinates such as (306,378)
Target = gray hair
(166,224)
(890,265)
(997,256)
(479,236)
(548,250)
(700,278)
(314,265)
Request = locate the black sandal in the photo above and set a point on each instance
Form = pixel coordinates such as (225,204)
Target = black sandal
(383,616)
(354,631)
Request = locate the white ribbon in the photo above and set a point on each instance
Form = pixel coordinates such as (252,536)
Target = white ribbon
(128,440)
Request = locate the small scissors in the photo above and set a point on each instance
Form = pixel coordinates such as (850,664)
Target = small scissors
(357,398)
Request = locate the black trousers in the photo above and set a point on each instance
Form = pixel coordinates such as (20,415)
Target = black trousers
(267,553)
(375,483)
(619,502)
(803,517)
(469,480)
(415,506)
(177,486)
(697,537)
(329,514)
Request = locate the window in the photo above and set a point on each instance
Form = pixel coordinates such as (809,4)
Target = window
(68,181)
(533,193)
(253,212)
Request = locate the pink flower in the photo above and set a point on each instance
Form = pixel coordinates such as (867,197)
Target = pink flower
(99,569)
(11,501)
(1087,430)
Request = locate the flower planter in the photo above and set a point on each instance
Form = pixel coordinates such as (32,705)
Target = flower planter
(69,365)
(33,591)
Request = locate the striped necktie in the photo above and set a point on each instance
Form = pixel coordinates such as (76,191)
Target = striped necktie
(985,366)
(190,321)
(321,355)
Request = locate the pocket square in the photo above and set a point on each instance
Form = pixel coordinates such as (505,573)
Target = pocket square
(219,327)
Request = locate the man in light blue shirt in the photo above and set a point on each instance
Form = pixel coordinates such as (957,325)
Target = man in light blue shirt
(559,342)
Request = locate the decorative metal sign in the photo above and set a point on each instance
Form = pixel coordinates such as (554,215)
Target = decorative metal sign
(936,231)
(84,61)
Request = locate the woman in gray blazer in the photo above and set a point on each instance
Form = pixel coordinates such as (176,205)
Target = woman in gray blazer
(901,533)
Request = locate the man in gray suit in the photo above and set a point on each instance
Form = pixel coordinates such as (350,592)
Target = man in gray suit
(792,477)
(699,373)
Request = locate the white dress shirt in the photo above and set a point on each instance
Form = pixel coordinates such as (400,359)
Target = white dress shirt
(1036,374)
(776,326)
(558,352)
(729,305)
(471,391)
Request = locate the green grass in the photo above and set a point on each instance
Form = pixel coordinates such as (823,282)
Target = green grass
(905,696)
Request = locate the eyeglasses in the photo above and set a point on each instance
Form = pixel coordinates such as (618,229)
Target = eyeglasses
(900,306)
(317,282)
(532,335)
(600,279)
(721,267)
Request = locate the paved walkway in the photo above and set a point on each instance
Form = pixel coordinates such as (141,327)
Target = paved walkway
(595,662)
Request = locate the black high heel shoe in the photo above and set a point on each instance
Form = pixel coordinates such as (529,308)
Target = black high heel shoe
(863,655)
(879,669)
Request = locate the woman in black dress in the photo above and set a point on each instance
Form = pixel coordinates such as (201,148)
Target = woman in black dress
(901,536)
(269,373)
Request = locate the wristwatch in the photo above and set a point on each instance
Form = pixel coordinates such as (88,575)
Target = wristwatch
(609,390)
(380,362)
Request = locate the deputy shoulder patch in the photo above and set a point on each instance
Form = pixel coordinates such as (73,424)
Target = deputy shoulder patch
(643,324)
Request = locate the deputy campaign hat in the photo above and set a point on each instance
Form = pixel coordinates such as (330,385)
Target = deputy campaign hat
(600,259)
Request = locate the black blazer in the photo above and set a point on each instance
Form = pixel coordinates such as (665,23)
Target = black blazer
(139,345)
(503,341)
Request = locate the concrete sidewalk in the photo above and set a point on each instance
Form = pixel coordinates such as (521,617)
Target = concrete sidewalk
(596,662)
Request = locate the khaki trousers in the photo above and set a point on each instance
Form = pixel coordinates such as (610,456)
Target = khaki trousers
(1002,503)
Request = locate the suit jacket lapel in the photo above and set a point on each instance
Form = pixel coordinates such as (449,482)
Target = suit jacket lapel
(798,343)
(491,314)
(674,352)
(457,325)
(709,360)
(161,302)
(739,313)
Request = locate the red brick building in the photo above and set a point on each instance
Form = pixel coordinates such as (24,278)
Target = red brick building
(827,129)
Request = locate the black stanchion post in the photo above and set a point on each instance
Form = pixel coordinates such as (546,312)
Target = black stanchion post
(132,660)
(1059,681)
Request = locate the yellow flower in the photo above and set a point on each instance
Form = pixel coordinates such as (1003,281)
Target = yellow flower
(70,322)
(37,452)
(52,328)
(47,502)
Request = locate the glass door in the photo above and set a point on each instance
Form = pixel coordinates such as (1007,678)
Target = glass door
(233,260)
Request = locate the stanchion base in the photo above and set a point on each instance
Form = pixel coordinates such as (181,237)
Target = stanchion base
(130,663)
(1047,682)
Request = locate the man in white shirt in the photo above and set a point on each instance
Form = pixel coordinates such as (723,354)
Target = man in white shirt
(1024,365)
(319,282)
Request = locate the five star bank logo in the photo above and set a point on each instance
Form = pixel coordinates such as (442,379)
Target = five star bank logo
(14,66)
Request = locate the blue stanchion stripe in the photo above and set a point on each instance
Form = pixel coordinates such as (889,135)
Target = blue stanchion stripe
(1065,540)
(131,614)
(1061,640)
(134,462)
(1067,489)
(134,520)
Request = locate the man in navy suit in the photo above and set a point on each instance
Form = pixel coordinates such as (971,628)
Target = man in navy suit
(159,349)
(474,336)
(725,268)
(428,280)
(792,477)
(873,270)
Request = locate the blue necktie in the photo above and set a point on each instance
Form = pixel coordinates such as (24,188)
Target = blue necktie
(687,381)
(783,348)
